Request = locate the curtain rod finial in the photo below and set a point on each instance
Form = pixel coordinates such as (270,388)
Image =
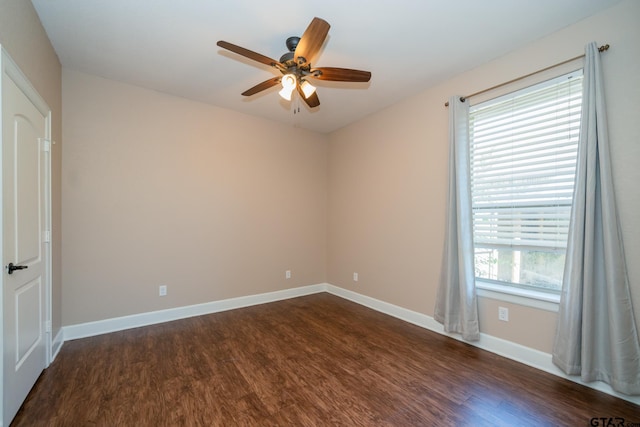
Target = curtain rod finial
(462,99)
(603,48)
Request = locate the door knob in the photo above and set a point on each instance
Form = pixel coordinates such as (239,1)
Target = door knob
(11,268)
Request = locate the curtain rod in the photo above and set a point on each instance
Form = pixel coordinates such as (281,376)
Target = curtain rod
(463,98)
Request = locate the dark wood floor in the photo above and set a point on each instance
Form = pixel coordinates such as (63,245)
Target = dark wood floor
(314,360)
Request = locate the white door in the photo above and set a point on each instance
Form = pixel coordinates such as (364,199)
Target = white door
(24,235)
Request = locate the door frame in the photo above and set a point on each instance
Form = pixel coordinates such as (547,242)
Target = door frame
(9,69)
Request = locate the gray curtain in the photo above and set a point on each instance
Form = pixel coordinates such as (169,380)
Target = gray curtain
(456,302)
(596,336)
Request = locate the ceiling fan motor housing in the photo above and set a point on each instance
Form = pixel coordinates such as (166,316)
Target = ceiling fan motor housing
(287,59)
(292,43)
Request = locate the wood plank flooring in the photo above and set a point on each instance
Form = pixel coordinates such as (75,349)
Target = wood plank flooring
(311,361)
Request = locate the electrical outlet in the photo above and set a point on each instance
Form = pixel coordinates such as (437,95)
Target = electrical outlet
(287,274)
(162,290)
(355,277)
(503,314)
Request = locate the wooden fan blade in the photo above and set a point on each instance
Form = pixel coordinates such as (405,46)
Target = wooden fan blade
(311,41)
(340,74)
(312,101)
(248,53)
(262,86)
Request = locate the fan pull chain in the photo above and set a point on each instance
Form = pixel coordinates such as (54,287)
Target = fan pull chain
(296,112)
(296,107)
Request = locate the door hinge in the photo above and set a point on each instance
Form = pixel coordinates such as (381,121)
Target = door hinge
(46,144)
(47,236)
(47,326)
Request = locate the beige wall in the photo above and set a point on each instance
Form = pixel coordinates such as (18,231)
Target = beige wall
(387,178)
(24,38)
(159,190)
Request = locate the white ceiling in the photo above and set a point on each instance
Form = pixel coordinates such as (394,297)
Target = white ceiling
(408,45)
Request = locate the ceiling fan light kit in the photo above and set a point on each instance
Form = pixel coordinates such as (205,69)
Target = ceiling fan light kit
(295,65)
(307,88)
(288,82)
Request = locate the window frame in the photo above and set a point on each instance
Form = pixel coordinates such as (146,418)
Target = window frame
(539,297)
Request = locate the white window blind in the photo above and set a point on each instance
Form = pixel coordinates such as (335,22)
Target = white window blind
(523,158)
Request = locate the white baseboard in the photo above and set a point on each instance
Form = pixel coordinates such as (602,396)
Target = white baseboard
(56,345)
(526,355)
(99,327)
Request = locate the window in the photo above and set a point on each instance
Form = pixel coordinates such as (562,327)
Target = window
(523,159)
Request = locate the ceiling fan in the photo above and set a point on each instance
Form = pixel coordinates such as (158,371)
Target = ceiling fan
(295,65)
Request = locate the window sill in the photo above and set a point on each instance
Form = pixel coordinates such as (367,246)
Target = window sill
(529,298)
